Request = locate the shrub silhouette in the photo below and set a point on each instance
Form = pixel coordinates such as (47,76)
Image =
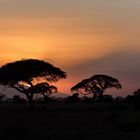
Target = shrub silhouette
(129,99)
(72,99)
(136,99)
(18,100)
(2,97)
(137,93)
(119,99)
(96,85)
(20,75)
(105,98)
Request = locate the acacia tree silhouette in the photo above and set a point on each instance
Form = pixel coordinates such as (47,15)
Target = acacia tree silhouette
(96,85)
(20,75)
(43,88)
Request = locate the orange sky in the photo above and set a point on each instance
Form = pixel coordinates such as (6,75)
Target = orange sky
(81,37)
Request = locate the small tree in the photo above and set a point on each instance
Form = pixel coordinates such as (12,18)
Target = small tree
(96,85)
(43,88)
(21,74)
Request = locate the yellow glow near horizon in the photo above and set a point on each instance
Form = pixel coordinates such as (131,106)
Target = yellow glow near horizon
(52,41)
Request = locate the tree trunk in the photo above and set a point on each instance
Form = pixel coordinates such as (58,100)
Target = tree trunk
(101,93)
(94,96)
(30,99)
(45,97)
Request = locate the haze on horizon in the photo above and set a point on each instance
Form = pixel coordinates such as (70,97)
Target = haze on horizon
(81,37)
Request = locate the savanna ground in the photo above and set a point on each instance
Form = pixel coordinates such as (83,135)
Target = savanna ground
(56,121)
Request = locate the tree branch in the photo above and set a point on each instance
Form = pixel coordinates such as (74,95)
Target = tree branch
(23,91)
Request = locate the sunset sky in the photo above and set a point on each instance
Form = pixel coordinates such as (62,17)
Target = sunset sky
(82,37)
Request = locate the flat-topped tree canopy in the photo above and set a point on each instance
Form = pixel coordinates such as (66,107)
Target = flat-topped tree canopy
(105,81)
(81,84)
(27,69)
(96,85)
(20,75)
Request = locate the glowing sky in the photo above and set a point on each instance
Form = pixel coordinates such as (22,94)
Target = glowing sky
(83,37)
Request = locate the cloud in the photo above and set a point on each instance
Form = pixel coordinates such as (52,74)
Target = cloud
(121,61)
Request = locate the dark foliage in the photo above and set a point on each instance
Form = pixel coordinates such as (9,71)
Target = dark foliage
(129,99)
(18,100)
(72,99)
(20,75)
(43,88)
(96,85)
(2,97)
(133,100)
(119,99)
(26,70)
(136,97)
(105,99)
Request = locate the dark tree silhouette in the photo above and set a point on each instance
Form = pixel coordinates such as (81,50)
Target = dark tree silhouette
(20,75)
(96,85)
(2,97)
(119,99)
(105,99)
(43,88)
(72,99)
(136,99)
(137,93)
(18,100)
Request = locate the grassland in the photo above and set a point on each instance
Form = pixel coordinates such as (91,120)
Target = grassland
(57,121)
